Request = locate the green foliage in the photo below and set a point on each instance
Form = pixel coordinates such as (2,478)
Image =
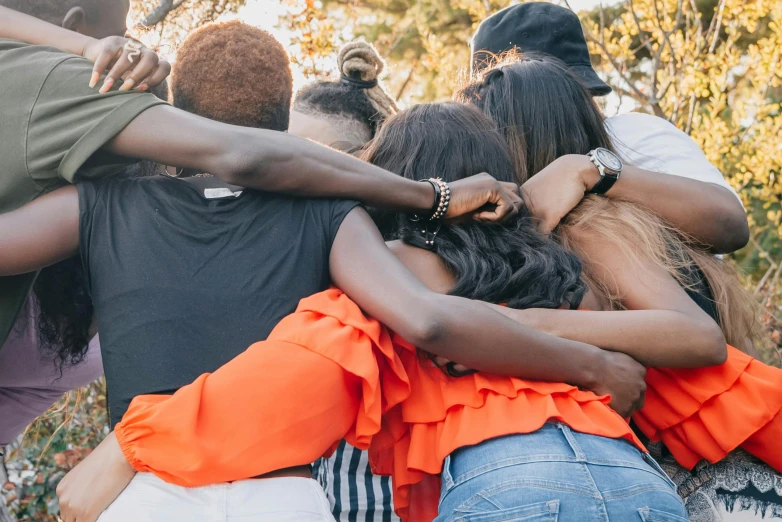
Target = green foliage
(50,447)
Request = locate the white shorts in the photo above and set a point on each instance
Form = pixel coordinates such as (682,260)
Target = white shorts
(286,499)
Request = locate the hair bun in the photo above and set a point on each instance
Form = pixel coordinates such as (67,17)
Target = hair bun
(360,61)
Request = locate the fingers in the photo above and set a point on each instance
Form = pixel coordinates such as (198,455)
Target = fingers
(121,66)
(513,188)
(143,69)
(138,66)
(101,64)
(158,76)
(507,205)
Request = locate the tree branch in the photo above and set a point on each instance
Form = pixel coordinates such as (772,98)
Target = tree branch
(160,13)
(404,85)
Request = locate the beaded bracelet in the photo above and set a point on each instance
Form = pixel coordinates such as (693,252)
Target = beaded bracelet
(442,197)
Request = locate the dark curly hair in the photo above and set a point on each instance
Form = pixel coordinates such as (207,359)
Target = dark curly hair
(65,311)
(234,73)
(512,263)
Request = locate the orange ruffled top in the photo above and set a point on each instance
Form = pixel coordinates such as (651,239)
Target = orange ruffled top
(328,372)
(705,413)
(443,414)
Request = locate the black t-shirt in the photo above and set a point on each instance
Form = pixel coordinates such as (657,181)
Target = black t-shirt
(183,284)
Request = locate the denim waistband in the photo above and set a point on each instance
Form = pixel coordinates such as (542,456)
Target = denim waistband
(553,442)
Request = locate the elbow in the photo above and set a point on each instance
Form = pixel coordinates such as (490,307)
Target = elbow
(738,237)
(426,327)
(246,157)
(733,231)
(714,349)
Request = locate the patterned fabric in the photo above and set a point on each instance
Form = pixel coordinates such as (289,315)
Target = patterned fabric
(738,488)
(355,494)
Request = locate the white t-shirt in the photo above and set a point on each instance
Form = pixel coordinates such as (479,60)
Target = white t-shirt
(655,144)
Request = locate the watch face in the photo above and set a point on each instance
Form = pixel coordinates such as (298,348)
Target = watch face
(609,159)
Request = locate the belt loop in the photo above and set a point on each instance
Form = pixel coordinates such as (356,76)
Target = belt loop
(571,440)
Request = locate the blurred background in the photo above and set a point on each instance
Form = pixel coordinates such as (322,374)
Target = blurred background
(711,67)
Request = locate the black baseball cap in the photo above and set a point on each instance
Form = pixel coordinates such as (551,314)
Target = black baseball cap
(540,27)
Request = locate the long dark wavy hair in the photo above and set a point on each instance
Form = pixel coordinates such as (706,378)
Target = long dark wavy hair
(512,263)
(541,107)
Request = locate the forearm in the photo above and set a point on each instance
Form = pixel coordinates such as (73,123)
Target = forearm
(492,343)
(708,213)
(281,162)
(264,160)
(19,26)
(655,338)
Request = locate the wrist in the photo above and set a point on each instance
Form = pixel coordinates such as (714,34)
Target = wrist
(591,370)
(424,198)
(588,173)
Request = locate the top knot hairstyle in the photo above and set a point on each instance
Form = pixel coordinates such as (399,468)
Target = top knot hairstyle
(512,263)
(234,73)
(358,94)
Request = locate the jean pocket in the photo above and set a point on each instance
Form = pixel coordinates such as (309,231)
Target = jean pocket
(654,515)
(540,512)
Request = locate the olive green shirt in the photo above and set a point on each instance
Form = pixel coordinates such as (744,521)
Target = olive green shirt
(52,129)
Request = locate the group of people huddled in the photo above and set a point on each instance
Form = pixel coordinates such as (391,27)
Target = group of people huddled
(502,307)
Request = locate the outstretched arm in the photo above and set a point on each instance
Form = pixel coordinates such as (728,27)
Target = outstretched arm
(709,213)
(661,326)
(279,162)
(665,171)
(253,158)
(40,233)
(364,268)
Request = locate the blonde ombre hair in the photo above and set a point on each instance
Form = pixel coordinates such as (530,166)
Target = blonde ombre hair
(641,237)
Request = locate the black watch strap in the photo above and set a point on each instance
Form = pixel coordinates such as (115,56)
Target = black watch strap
(606,182)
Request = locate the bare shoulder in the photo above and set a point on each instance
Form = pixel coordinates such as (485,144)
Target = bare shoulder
(425,265)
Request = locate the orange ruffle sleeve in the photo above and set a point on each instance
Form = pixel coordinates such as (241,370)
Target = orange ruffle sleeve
(705,413)
(284,402)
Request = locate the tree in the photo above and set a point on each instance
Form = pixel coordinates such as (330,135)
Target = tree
(166,23)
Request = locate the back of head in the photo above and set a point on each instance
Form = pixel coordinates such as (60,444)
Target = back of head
(511,263)
(354,106)
(544,110)
(96,18)
(234,73)
(536,27)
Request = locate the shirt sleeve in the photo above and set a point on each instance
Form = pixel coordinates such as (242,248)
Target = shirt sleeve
(69,123)
(655,144)
(339,209)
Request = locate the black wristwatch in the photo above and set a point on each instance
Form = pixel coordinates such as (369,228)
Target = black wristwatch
(610,167)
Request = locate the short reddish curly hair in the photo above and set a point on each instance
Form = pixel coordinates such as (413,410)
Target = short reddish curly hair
(234,73)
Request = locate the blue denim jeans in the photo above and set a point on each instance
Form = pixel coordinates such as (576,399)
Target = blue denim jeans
(556,474)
